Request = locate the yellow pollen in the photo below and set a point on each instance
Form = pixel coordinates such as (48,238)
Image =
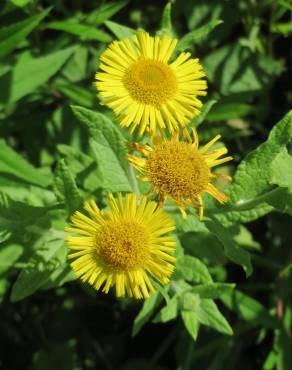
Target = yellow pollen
(122,244)
(178,169)
(150,82)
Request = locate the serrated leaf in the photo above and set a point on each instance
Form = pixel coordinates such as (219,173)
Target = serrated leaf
(14,164)
(250,191)
(146,312)
(39,269)
(120,31)
(191,323)
(209,315)
(108,147)
(197,36)
(231,250)
(84,31)
(281,170)
(28,75)
(12,35)
(192,269)
(67,188)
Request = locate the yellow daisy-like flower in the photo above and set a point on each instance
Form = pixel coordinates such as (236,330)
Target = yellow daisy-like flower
(144,90)
(180,170)
(123,246)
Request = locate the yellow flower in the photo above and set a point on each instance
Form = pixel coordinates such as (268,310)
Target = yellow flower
(144,90)
(123,246)
(180,170)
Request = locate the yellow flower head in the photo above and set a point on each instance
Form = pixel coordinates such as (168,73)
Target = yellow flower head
(144,90)
(180,170)
(121,247)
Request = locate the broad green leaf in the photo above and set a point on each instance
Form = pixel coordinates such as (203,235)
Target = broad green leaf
(212,291)
(9,255)
(76,94)
(250,192)
(168,312)
(21,3)
(281,170)
(11,36)
(249,309)
(105,11)
(192,269)
(191,323)
(231,250)
(28,75)
(84,31)
(120,31)
(14,164)
(146,312)
(39,268)
(66,188)
(109,148)
(113,175)
(15,216)
(197,36)
(75,69)
(209,315)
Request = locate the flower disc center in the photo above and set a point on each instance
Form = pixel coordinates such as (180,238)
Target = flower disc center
(150,82)
(123,244)
(178,169)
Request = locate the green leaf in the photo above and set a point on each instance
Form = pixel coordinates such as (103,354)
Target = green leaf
(168,312)
(12,163)
(250,191)
(84,31)
(28,75)
(9,255)
(120,31)
(146,312)
(209,315)
(228,110)
(166,24)
(109,148)
(39,269)
(249,309)
(105,11)
(231,250)
(197,36)
(15,216)
(114,177)
(67,188)
(191,323)
(192,269)
(76,94)
(12,35)
(234,69)
(280,170)
(195,122)
(213,291)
